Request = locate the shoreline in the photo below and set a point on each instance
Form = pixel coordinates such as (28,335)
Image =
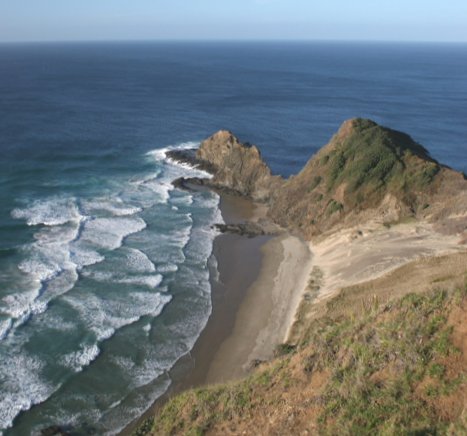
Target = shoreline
(267,311)
(254,300)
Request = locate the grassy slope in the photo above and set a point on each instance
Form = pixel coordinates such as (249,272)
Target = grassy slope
(362,164)
(396,368)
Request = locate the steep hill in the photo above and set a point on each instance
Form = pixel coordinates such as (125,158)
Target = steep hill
(366,172)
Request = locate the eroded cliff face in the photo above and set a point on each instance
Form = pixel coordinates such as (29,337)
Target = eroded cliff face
(366,172)
(238,167)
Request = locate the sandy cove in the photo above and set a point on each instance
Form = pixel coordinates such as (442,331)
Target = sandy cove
(268,312)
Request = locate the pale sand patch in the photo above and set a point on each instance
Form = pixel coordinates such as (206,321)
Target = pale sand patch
(267,311)
(364,253)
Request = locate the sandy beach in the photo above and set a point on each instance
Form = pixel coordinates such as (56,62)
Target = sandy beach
(267,310)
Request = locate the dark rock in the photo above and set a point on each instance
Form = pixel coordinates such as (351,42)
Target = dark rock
(188,157)
(256,362)
(54,430)
(190,183)
(247,229)
(365,173)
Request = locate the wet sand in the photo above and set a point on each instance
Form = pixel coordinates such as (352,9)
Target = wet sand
(267,310)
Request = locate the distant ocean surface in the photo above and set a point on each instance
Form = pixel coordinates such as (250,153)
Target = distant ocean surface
(104,268)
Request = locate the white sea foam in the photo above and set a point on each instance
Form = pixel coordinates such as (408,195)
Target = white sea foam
(56,321)
(5,326)
(50,212)
(180,237)
(142,373)
(138,261)
(82,256)
(160,154)
(119,417)
(182,200)
(59,234)
(126,260)
(104,317)
(108,233)
(72,240)
(151,281)
(115,207)
(159,187)
(167,268)
(47,260)
(31,390)
(40,269)
(174,243)
(77,360)
(59,285)
(16,305)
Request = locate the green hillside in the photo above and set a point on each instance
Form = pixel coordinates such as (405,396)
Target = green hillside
(363,166)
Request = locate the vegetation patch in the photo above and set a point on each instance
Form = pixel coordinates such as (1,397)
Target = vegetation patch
(315,182)
(334,206)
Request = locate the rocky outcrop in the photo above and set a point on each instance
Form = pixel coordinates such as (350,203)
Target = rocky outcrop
(248,229)
(365,173)
(236,166)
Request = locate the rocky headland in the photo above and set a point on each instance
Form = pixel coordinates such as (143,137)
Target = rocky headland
(366,173)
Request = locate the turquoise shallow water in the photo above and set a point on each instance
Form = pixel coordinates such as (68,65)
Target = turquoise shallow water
(103,266)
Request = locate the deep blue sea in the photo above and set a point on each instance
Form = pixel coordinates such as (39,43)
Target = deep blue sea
(104,268)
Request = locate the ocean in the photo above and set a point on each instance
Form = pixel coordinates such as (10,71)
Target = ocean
(104,267)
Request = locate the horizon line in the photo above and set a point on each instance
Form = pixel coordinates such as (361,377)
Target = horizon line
(214,40)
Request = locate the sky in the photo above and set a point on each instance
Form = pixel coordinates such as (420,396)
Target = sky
(371,20)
